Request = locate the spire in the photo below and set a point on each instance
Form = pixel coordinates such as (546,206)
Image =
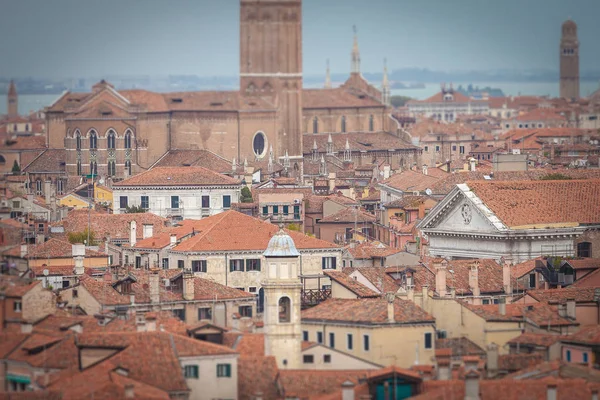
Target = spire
(12,100)
(12,89)
(323,166)
(329,145)
(286,160)
(315,151)
(385,85)
(327,77)
(355,54)
(233,166)
(347,152)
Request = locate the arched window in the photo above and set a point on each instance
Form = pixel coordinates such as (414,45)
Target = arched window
(127,139)
(93,140)
(38,187)
(2,160)
(315,125)
(343,123)
(60,186)
(111,168)
(78,140)
(26,127)
(285,309)
(371,123)
(110,140)
(78,167)
(15,128)
(128,167)
(584,249)
(94,168)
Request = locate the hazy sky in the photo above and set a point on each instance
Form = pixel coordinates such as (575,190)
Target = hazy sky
(64,38)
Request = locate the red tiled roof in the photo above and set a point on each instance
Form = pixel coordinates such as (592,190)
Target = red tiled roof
(535,339)
(197,158)
(13,286)
(516,362)
(541,202)
(489,275)
(51,160)
(587,335)
(554,296)
(587,280)
(114,225)
(232,230)
(163,239)
(369,250)
(257,374)
(53,248)
(351,284)
(377,276)
(337,98)
(410,181)
(541,114)
(521,269)
(178,176)
(541,314)
(460,347)
(366,311)
(24,143)
(349,214)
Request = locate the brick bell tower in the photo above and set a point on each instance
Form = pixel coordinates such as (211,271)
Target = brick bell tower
(13,100)
(569,61)
(271,68)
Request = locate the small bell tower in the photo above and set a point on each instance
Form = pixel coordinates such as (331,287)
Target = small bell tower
(283,334)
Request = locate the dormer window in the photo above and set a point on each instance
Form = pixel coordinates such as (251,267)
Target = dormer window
(176,100)
(126,287)
(448,97)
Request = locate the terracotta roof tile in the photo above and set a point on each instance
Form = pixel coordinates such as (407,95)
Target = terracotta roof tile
(51,160)
(587,335)
(349,214)
(366,311)
(541,202)
(351,284)
(377,276)
(535,339)
(410,181)
(178,176)
(196,158)
(53,248)
(370,249)
(337,98)
(367,141)
(541,314)
(460,347)
(521,269)
(232,230)
(516,362)
(257,374)
(554,296)
(13,286)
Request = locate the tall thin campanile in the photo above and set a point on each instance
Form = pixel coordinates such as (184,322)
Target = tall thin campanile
(569,61)
(271,65)
(13,100)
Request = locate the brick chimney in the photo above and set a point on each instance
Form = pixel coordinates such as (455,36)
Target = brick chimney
(150,322)
(440,267)
(474,282)
(132,233)
(154,281)
(188,285)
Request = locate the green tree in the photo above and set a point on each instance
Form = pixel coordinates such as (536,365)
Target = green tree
(294,227)
(246,195)
(134,209)
(555,177)
(16,169)
(399,101)
(82,237)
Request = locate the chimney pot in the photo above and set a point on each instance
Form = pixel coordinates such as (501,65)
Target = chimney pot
(132,233)
(502,306)
(551,392)
(129,391)
(390,297)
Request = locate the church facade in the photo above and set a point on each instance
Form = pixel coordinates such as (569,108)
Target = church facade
(121,133)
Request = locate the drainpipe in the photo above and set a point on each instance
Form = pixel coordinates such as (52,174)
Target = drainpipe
(226,269)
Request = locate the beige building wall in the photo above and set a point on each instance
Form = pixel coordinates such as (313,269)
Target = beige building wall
(87,262)
(37,303)
(338,360)
(340,292)
(396,345)
(84,300)
(208,385)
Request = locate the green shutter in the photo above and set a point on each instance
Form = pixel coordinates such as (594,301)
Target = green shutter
(228,370)
(286,210)
(258,264)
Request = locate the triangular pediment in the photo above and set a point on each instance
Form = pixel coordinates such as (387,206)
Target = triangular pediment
(462,211)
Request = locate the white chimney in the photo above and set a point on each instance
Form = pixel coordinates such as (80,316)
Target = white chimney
(188,285)
(472,162)
(132,233)
(571,309)
(78,252)
(23,250)
(472,385)
(551,392)
(502,306)
(173,239)
(474,282)
(348,390)
(424,169)
(492,360)
(154,287)
(129,391)
(148,231)
(390,297)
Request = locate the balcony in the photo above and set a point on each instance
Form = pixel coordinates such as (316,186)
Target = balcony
(174,211)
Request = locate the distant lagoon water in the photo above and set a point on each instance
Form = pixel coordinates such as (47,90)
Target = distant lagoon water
(34,102)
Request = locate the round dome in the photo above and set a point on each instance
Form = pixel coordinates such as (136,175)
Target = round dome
(281,245)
